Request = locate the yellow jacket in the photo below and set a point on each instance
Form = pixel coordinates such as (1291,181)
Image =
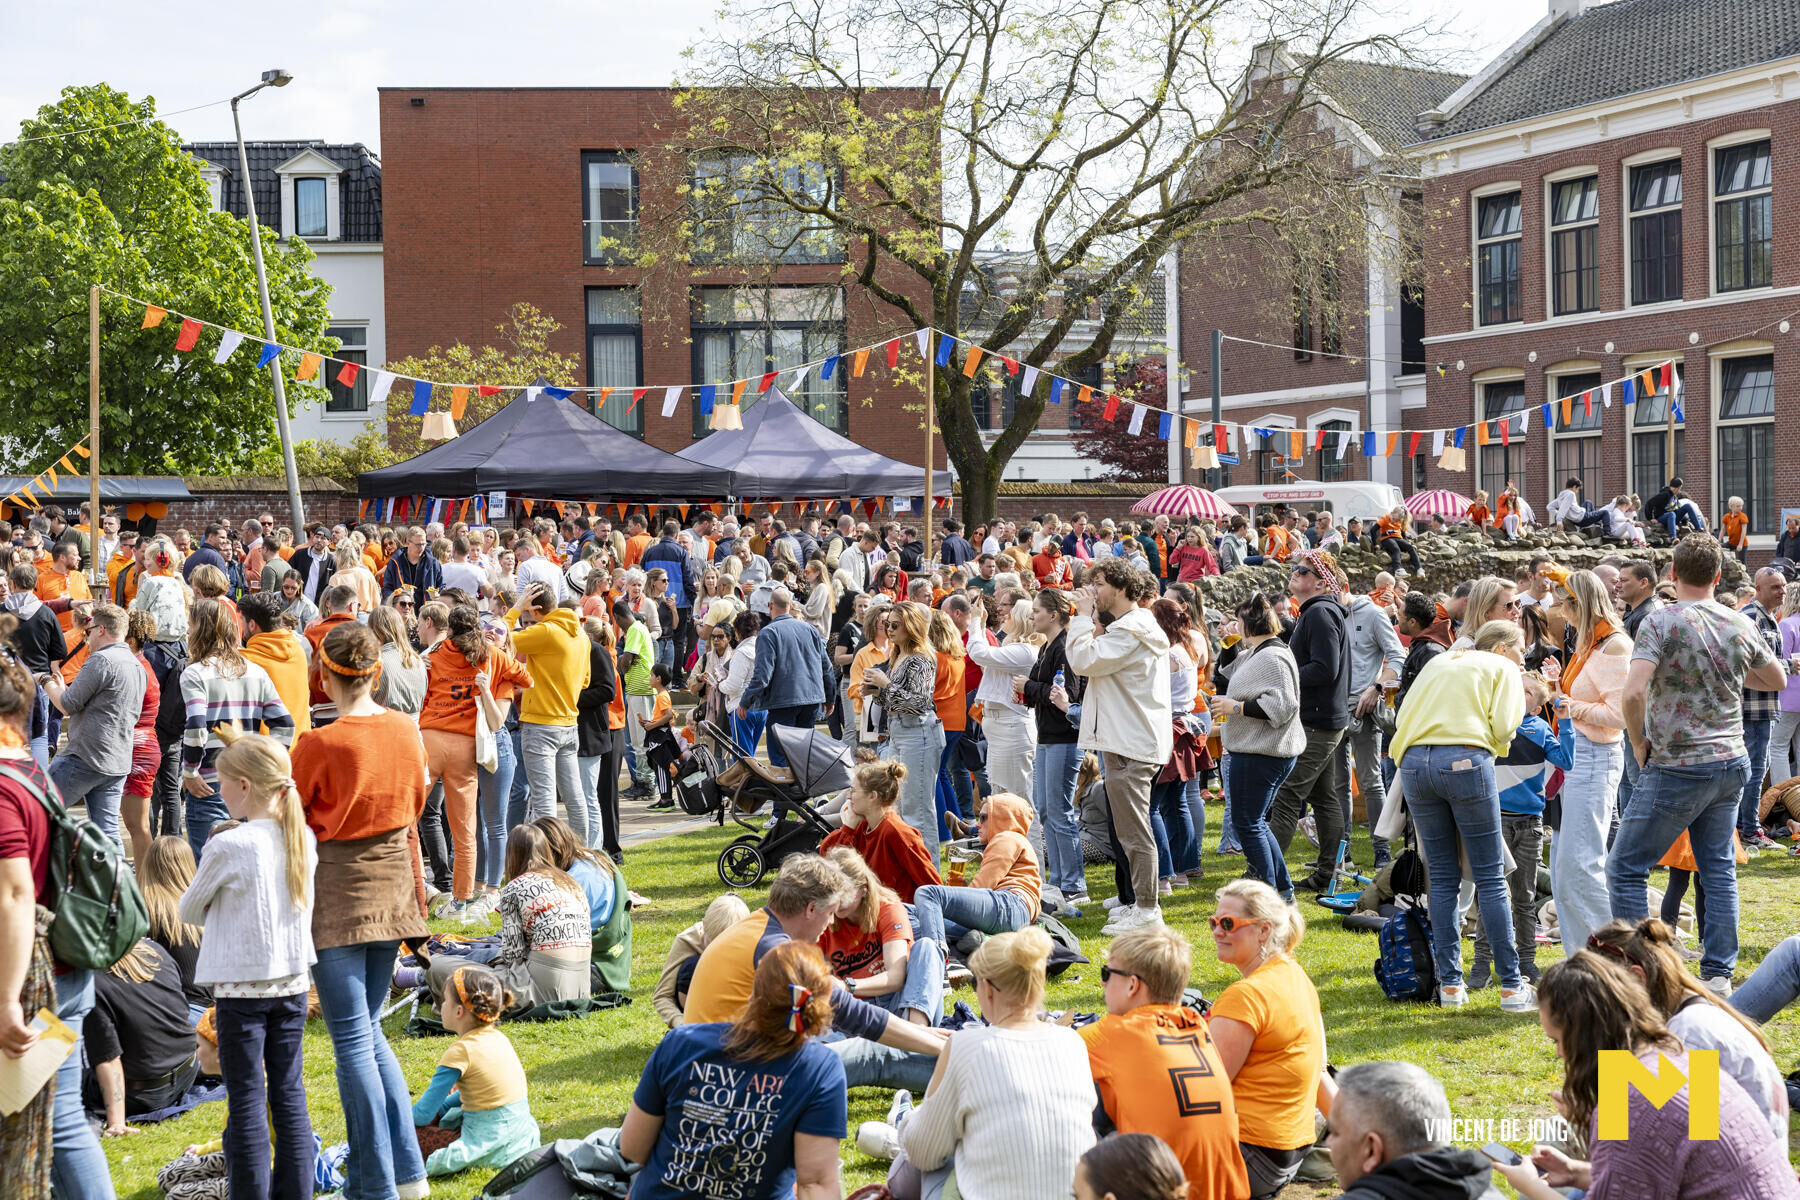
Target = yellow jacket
(556,651)
(1461,698)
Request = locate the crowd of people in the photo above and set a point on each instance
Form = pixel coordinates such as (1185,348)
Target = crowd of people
(436,722)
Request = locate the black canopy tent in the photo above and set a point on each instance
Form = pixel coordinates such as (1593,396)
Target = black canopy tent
(114,489)
(782,453)
(550,448)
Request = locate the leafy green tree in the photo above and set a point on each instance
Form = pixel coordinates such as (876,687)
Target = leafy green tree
(96,190)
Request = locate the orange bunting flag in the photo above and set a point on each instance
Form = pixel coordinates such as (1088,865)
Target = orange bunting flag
(559,508)
(349,371)
(972,362)
(1568,409)
(527,501)
(190,334)
(1296,444)
(605,395)
(67,465)
(1647,382)
(459,401)
(153,316)
(715,509)
(859,364)
(1481,434)
(462,514)
(1190,435)
(1087,394)
(893,353)
(683,510)
(52,473)
(83,450)
(309,366)
(737,394)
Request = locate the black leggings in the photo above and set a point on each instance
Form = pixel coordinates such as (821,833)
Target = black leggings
(1392,546)
(1671,905)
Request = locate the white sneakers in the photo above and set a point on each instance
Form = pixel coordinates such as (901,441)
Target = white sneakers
(1131,917)
(1522,999)
(881,1139)
(1453,997)
(1718,985)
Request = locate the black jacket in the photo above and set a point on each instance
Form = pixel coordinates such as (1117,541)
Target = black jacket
(302,562)
(1657,505)
(1788,546)
(1054,728)
(592,736)
(1322,651)
(1443,1174)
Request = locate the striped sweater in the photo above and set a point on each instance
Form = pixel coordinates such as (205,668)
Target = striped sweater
(211,699)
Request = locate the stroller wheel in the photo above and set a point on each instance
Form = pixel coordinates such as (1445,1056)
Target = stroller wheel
(741,865)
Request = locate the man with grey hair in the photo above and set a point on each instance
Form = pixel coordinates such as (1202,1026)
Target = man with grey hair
(103,705)
(793,679)
(1389,1139)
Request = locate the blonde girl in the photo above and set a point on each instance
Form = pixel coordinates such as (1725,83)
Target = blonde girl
(165,869)
(950,694)
(253,896)
(479,1085)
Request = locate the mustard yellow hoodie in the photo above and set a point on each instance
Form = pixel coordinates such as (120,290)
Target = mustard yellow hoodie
(283,656)
(556,652)
(1008,863)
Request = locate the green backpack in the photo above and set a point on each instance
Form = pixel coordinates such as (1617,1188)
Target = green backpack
(100,913)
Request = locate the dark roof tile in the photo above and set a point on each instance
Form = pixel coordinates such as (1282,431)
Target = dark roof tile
(359,191)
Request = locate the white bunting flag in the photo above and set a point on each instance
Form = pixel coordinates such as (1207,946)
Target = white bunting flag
(379,390)
(1606,395)
(1231,439)
(799,380)
(1137,420)
(924,336)
(1437,443)
(532,393)
(228,345)
(671,397)
(1029,381)
(1343,441)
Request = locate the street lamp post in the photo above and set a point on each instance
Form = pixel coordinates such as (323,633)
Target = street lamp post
(274,78)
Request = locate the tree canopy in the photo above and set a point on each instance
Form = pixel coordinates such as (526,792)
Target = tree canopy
(96,190)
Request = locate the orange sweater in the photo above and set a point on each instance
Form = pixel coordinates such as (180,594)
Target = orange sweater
(282,656)
(952,703)
(1735,525)
(450,687)
(1478,514)
(361,776)
(1008,864)
(315,633)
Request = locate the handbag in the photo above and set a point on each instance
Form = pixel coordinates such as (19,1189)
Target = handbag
(487,750)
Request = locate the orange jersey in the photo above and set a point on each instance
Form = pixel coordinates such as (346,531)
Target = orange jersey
(1478,514)
(1735,525)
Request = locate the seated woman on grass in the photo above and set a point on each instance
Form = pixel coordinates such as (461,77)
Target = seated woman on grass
(894,850)
(1003,895)
(706,1086)
(609,910)
(870,947)
(670,997)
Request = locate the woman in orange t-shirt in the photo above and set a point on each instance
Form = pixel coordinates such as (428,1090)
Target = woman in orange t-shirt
(955,792)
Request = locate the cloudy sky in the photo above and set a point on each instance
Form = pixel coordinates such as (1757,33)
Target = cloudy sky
(202,51)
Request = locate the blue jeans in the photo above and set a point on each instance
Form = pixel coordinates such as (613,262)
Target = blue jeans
(917,743)
(1451,791)
(1228,835)
(1774,984)
(258,1039)
(548,762)
(946,913)
(1756,745)
(1683,508)
(1252,781)
(1578,872)
(923,990)
(519,790)
(78,1169)
(746,731)
(384,1151)
(1177,847)
(871,1064)
(203,812)
(949,765)
(800,716)
(586,822)
(1053,778)
(1703,800)
(495,789)
(40,728)
(77,781)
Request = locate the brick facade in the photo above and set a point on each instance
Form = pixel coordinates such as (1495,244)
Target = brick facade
(483,196)
(1702,331)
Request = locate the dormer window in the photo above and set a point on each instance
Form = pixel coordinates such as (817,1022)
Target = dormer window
(309,207)
(214,179)
(310,199)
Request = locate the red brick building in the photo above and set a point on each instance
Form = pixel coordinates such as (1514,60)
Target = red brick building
(1311,373)
(1617,189)
(556,196)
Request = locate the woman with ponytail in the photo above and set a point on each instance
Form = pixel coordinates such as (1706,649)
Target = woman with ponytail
(253,898)
(767,1067)
(362,783)
(462,674)
(893,849)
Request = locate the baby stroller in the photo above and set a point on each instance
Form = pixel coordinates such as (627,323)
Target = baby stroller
(817,766)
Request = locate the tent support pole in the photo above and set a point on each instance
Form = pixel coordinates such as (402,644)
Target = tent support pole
(931,447)
(96,568)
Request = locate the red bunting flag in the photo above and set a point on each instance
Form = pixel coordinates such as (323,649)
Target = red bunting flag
(1012,365)
(190,334)
(1412,445)
(1587,403)
(1506,432)
(768,381)
(1220,433)
(893,353)
(487,390)
(347,376)
(636,395)
(1112,407)
(1319,439)
(153,316)
(1668,375)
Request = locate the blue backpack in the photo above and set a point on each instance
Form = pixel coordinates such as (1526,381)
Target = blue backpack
(1404,968)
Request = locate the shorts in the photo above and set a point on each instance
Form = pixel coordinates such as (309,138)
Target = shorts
(146,759)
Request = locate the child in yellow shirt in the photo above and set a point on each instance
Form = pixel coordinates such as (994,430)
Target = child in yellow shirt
(483,1071)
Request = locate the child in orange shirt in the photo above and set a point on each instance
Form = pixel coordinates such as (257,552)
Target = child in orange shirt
(1735,525)
(660,723)
(1478,512)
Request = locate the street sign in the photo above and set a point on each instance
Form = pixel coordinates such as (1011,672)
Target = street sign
(1229,460)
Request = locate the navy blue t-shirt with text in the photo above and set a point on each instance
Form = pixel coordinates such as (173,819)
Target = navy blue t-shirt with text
(729,1125)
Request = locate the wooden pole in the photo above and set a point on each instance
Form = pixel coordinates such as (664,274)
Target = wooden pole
(930,443)
(96,568)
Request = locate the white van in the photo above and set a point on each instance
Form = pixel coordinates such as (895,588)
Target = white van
(1343,500)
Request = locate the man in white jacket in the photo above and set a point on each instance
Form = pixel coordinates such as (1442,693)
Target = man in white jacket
(1125,717)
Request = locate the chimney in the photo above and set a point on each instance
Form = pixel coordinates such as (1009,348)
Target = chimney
(1567,8)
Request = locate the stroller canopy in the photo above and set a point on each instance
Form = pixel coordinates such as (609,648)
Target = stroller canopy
(819,764)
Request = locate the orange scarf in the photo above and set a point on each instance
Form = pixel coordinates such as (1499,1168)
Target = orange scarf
(1578,660)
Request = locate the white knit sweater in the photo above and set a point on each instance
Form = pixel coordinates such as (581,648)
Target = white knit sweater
(1015,1108)
(253,931)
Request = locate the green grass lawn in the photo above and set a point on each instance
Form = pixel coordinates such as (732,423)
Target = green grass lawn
(582,1072)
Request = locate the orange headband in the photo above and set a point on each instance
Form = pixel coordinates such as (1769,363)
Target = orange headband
(456,981)
(350,672)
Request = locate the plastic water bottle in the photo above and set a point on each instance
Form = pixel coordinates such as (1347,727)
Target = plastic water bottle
(1058,681)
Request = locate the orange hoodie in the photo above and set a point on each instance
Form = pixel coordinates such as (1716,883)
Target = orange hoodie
(284,657)
(1008,863)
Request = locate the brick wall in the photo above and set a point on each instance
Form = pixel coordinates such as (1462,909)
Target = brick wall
(1700,331)
(482,197)
(239,498)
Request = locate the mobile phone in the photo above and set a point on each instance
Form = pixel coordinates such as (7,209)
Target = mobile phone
(1506,1156)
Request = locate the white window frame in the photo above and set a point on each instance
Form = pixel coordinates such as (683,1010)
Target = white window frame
(1478,409)
(1249,445)
(329,369)
(1636,364)
(1475,244)
(1626,166)
(1551,229)
(1315,420)
(214,179)
(1717,357)
(310,164)
(1726,142)
(1553,377)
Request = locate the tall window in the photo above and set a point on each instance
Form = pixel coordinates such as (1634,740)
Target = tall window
(742,332)
(615,333)
(1497,259)
(1316,304)
(1083,415)
(353,346)
(1303,323)
(1574,245)
(1741,223)
(309,207)
(1500,463)
(1577,450)
(1418,472)
(1333,469)
(745,211)
(1331,336)
(609,208)
(1656,232)
(1412,330)
(1747,438)
(1650,466)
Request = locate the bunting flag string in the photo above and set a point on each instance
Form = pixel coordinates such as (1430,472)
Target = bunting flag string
(23,498)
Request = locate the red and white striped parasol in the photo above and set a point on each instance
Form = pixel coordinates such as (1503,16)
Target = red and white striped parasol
(1184,500)
(1441,501)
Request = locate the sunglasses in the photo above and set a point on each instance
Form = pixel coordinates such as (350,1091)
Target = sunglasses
(1231,924)
(1305,571)
(1107,974)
